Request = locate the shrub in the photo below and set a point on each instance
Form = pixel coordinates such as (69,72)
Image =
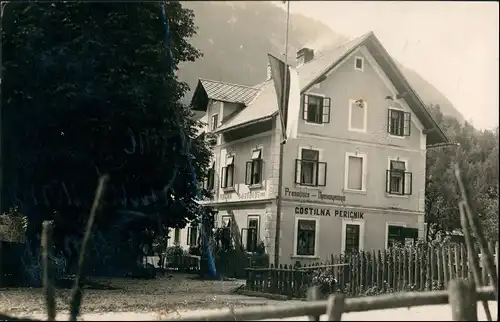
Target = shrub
(324,279)
(13,226)
(195,250)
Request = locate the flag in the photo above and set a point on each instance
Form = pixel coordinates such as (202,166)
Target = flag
(289,107)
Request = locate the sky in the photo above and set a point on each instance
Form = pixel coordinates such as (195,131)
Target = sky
(452,45)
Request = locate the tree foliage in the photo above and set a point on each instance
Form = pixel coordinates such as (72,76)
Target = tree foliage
(478,159)
(86,91)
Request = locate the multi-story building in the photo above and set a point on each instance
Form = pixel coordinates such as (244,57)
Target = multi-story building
(354,178)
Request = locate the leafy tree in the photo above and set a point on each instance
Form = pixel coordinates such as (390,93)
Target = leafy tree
(478,159)
(87,90)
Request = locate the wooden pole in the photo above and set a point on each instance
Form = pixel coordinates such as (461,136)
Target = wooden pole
(335,307)
(471,254)
(313,294)
(48,283)
(279,196)
(463,300)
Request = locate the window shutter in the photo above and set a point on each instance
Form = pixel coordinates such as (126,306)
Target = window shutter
(211,178)
(189,236)
(305,99)
(223,183)
(388,181)
(326,110)
(408,183)
(407,124)
(389,121)
(230,168)
(321,174)
(248,174)
(257,171)
(297,171)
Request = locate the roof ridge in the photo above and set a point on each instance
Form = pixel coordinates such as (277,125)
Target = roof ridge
(322,53)
(227,83)
(261,89)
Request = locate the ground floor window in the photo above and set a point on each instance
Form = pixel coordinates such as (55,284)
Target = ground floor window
(400,235)
(352,235)
(351,238)
(192,239)
(225,233)
(306,237)
(177,236)
(252,236)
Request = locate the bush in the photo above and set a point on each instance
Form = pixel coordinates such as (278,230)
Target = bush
(195,250)
(13,226)
(324,279)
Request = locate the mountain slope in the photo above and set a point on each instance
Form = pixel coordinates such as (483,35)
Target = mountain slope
(235,38)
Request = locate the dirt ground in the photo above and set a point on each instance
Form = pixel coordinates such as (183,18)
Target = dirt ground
(163,294)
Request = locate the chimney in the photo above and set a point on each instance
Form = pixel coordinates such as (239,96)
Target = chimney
(269,74)
(304,55)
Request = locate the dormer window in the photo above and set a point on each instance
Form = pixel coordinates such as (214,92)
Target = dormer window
(316,109)
(359,63)
(215,120)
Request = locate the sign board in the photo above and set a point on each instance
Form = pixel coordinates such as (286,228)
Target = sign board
(312,194)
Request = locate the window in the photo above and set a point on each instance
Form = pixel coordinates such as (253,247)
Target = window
(177,236)
(398,180)
(398,123)
(252,234)
(357,115)
(352,236)
(215,120)
(228,173)
(316,109)
(306,237)
(209,183)
(226,233)
(192,237)
(308,170)
(398,233)
(355,172)
(359,63)
(226,221)
(254,168)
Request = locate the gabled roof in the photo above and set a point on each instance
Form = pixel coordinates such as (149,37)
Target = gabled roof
(265,104)
(222,91)
(260,109)
(323,61)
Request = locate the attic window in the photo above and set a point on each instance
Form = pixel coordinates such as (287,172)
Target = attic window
(359,63)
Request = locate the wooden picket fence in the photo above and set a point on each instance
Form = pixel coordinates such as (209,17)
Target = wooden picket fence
(371,272)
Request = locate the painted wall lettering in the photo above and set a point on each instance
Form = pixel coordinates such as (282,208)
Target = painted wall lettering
(349,214)
(326,212)
(243,196)
(291,193)
(313,194)
(312,211)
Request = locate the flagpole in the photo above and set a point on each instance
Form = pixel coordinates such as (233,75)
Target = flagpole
(282,144)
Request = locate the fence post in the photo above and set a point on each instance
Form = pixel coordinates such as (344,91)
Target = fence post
(490,248)
(48,286)
(463,300)
(313,294)
(335,307)
(496,255)
(1,272)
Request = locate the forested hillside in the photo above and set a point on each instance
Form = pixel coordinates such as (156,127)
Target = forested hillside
(235,38)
